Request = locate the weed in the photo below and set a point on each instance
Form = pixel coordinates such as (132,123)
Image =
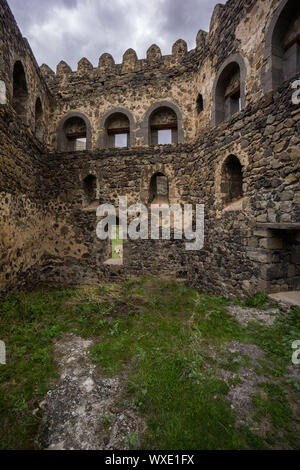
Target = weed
(106,420)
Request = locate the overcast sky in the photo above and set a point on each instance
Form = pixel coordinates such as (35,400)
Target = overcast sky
(71,29)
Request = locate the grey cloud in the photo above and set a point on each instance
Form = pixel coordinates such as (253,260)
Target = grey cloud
(107,26)
(31,11)
(183,19)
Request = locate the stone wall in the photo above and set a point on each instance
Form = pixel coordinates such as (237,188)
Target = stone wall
(235,256)
(23,218)
(22,214)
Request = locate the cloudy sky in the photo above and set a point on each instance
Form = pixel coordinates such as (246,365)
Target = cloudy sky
(72,29)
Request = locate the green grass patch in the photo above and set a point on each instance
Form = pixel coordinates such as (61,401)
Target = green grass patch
(167,342)
(273,405)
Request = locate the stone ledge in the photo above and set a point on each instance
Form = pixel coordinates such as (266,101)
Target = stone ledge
(234,206)
(290,298)
(279,226)
(114,262)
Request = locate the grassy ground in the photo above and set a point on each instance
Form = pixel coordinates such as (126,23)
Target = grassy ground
(167,341)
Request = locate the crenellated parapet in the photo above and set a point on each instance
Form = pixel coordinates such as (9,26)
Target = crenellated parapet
(63,68)
(201,39)
(106,62)
(84,66)
(216,17)
(46,70)
(129,61)
(179,49)
(154,54)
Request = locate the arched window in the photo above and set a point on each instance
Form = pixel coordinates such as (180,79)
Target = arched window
(75,134)
(199,103)
(117,127)
(159,189)
(286,44)
(163,127)
(20,90)
(228,93)
(162,116)
(39,124)
(232,180)
(90,189)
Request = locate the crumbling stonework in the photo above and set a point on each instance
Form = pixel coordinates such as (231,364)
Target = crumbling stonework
(219,100)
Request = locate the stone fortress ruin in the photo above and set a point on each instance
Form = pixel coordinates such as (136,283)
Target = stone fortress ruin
(215,125)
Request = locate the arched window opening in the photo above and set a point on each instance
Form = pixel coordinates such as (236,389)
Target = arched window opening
(286,45)
(232,180)
(39,124)
(159,189)
(163,127)
(90,189)
(228,93)
(20,90)
(199,103)
(118,131)
(76,134)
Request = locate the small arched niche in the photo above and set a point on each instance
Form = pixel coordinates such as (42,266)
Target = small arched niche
(20,90)
(283,45)
(90,188)
(74,133)
(39,122)
(232,180)
(159,189)
(117,129)
(163,127)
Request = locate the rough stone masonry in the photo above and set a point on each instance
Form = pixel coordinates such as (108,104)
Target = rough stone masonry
(217,124)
